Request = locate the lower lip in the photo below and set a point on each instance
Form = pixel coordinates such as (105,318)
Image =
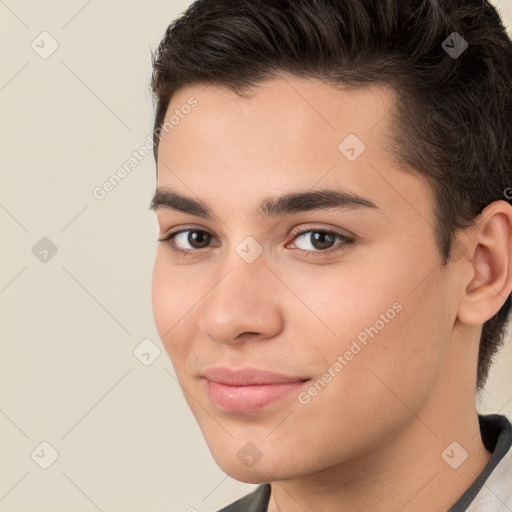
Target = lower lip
(246,399)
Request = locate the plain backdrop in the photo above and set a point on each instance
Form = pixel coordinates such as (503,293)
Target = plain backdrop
(79,394)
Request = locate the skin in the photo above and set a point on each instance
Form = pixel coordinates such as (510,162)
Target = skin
(372,438)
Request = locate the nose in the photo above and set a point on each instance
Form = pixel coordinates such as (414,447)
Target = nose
(243,304)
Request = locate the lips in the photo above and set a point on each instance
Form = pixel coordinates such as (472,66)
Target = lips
(247,390)
(247,376)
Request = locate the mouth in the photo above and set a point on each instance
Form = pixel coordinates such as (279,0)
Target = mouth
(248,390)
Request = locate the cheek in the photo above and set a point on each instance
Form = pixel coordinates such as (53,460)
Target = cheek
(376,384)
(395,362)
(172,304)
(340,302)
(389,335)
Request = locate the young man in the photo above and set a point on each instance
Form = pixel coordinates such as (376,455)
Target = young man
(334,273)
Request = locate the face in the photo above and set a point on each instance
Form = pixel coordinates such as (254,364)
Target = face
(348,300)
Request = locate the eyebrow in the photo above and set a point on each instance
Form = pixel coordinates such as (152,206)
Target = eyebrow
(272,206)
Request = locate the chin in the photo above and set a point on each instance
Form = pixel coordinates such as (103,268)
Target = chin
(257,474)
(251,478)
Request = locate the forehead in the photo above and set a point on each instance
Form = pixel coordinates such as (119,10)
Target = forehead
(290,133)
(288,108)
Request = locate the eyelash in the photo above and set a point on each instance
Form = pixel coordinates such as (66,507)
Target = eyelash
(184,253)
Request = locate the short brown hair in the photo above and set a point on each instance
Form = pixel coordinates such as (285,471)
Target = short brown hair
(453,117)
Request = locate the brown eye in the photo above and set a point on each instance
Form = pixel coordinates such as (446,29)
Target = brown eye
(195,238)
(192,243)
(322,240)
(198,239)
(318,242)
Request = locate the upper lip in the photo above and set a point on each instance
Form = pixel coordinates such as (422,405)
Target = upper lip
(246,376)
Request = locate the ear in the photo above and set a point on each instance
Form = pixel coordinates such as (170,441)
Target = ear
(490,256)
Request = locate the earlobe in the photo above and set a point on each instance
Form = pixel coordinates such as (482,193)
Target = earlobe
(491,261)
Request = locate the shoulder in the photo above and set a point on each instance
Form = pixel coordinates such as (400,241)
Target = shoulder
(496,491)
(492,489)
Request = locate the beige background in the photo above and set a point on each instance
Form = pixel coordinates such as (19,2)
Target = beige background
(125,438)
